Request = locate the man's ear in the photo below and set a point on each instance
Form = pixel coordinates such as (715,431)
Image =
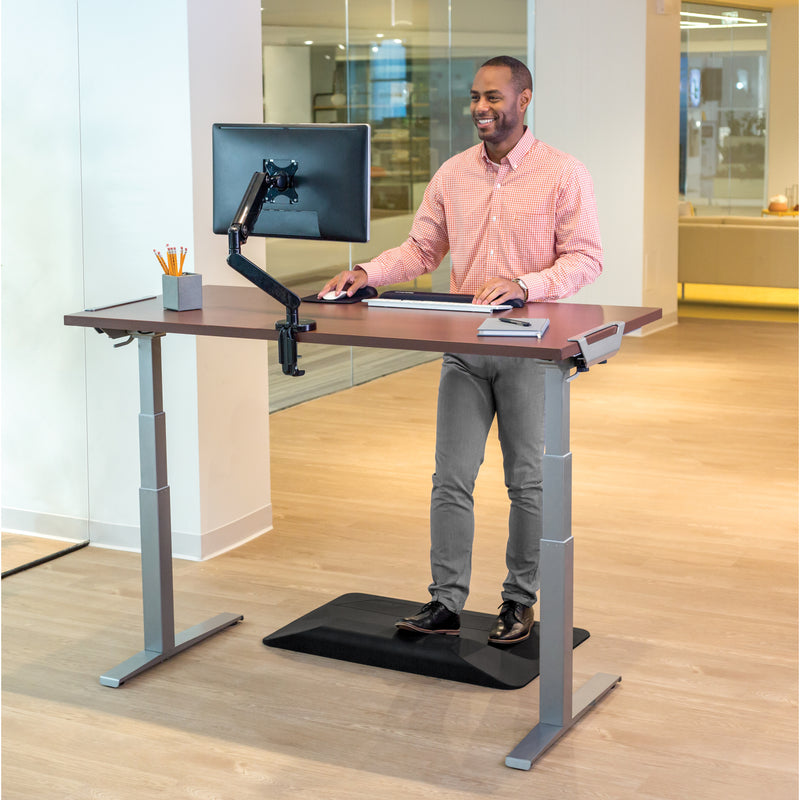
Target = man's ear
(525,99)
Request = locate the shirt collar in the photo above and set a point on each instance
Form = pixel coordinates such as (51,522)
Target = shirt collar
(516,154)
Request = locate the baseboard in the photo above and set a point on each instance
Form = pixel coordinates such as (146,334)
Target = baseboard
(115,536)
(47,526)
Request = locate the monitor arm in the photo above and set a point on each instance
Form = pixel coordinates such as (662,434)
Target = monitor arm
(260,184)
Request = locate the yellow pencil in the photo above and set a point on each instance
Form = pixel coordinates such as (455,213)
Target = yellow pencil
(161,261)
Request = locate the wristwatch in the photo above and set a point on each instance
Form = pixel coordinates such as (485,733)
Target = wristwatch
(522,285)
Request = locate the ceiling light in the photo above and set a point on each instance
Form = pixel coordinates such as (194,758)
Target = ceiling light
(308,41)
(691,20)
(730,20)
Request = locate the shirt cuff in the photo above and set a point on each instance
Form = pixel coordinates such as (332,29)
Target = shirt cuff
(373,273)
(537,287)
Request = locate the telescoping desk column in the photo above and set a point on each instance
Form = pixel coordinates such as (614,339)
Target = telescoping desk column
(578,337)
(158,615)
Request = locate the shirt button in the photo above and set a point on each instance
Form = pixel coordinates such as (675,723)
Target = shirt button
(498,185)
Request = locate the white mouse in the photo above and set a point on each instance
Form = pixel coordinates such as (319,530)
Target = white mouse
(334,295)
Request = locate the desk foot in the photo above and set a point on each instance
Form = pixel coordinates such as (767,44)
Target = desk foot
(145,659)
(545,735)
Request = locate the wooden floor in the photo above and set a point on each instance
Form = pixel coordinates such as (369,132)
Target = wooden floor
(685,522)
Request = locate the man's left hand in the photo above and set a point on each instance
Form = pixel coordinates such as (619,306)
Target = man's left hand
(497,291)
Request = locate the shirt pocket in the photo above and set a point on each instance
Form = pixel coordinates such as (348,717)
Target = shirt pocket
(533,237)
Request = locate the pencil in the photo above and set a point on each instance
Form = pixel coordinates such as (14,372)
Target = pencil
(161,261)
(184,251)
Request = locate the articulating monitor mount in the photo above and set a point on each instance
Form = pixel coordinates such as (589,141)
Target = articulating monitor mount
(268,185)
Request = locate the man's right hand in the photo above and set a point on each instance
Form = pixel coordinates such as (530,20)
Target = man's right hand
(350,280)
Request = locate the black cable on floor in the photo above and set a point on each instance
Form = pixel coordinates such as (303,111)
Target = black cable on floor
(43,559)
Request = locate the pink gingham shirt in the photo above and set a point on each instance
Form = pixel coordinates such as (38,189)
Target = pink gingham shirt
(533,216)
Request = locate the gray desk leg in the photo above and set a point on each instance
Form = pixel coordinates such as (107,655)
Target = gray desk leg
(559,708)
(160,641)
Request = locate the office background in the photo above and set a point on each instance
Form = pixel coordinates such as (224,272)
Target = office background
(107,109)
(106,155)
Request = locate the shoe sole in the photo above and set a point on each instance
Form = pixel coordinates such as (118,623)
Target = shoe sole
(407,626)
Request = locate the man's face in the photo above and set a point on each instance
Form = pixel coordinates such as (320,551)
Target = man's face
(497,108)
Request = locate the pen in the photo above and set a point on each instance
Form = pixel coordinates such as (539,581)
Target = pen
(515,321)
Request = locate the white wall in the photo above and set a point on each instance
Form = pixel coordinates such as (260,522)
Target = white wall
(288,69)
(232,392)
(783,108)
(595,66)
(44,400)
(661,161)
(117,129)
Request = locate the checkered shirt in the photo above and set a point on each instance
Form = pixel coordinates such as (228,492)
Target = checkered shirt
(533,216)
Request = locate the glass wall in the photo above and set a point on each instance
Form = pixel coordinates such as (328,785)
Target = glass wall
(406,68)
(724,102)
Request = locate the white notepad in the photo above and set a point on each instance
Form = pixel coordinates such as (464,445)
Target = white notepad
(502,326)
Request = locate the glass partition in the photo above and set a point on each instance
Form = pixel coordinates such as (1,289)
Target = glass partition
(724,102)
(406,68)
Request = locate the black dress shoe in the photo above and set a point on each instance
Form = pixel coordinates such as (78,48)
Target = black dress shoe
(433,617)
(513,624)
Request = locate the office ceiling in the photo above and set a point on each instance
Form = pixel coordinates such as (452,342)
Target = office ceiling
(377,13)
(470,15)
(758,5)
(761,6)
(420,21)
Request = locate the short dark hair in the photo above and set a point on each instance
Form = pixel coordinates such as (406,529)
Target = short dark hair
(520,74)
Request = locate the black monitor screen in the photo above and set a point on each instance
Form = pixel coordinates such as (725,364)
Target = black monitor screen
(328,175)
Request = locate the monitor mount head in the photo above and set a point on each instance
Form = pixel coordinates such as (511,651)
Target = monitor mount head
(280,181)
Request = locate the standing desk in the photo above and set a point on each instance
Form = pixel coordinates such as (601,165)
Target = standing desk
(578,337)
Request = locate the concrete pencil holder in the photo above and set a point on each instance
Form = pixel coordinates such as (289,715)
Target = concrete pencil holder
(182,292)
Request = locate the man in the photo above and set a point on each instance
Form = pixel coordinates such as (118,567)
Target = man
(520,221)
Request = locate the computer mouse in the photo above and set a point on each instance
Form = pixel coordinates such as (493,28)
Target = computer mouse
(364,293)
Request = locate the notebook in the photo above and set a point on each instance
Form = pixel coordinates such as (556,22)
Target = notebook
(513,326)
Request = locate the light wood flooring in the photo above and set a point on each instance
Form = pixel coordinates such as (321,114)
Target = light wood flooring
(685,523)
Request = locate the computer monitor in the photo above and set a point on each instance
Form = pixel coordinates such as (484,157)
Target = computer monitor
(302,181)
(325,169)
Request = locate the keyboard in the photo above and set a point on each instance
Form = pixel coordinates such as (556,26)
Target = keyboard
(434,305)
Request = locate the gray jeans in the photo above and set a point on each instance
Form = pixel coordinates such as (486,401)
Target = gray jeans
(472,389)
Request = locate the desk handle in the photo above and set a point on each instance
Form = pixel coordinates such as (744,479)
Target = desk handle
(601,349)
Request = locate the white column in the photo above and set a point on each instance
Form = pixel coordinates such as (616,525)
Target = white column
(116,141)
(606,90)
(783,142)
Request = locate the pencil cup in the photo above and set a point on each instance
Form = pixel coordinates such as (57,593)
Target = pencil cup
(182,292)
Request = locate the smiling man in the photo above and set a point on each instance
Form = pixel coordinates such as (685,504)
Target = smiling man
(520,221)
(498,105)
